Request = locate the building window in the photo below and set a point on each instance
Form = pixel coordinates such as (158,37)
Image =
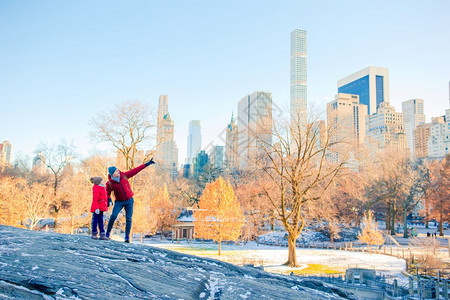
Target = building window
(379,80)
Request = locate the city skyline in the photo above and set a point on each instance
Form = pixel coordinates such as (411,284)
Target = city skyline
(59,72)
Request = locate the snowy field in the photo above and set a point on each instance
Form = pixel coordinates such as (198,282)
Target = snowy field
(312,261)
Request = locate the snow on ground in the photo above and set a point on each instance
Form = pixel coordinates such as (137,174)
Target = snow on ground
(273,257)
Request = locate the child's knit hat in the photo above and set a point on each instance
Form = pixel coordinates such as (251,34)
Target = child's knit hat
(96,180)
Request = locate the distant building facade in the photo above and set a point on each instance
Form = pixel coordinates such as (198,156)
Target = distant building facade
(194,141)
(38,164)
(216,155)
(384,129)
(439,140)
(370,84)
(200,161)
(346,118)
(413,116)
(421,136)
(166,148)
(5,153)
(231,147)
(254,124)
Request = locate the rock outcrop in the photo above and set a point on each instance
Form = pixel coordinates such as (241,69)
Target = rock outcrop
(45,265)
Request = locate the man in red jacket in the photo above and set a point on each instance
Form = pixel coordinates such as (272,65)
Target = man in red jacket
(118,183)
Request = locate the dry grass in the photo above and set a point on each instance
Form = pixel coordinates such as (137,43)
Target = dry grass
(316,269)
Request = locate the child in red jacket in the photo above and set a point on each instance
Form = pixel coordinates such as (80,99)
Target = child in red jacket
(99,205)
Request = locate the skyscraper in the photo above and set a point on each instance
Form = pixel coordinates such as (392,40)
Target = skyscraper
(346,118)
(38,164)
(5,153)
(166,148)
(439,140)
(231,147)
(370,84)
(384,129)
(298,76)
(216,157)
(199,162)
(254,124)
(412,117)
(421,136)
(194,140)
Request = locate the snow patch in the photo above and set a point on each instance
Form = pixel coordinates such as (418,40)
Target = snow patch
(202,295)
(245,296)
(28,255)
(213,287)
(34,268)
(163,255)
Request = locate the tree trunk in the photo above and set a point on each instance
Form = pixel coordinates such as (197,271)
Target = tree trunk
(426,212)
(220,247)
(388,219)
(393,222)
(55,184)
(330,229)
(141,237)
(292,258)
(405,224)
(272,221)
(441,223)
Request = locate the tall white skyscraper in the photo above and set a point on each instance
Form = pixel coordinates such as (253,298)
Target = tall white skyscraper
(413,116)
(254,125)
(194,140)
(370,84)
(298,76)
(166,148)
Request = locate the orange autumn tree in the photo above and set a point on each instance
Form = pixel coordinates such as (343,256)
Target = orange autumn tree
(219,216)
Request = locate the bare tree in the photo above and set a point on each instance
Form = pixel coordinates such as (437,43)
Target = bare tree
(77,195)
(438,192)
(298,171)
(256,210)
(57,159)
(129,127)
(11,208)
(36,202)
(331,211)
(395,186)
(411,192)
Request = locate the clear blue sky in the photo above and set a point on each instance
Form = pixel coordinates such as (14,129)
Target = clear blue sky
(62,62)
